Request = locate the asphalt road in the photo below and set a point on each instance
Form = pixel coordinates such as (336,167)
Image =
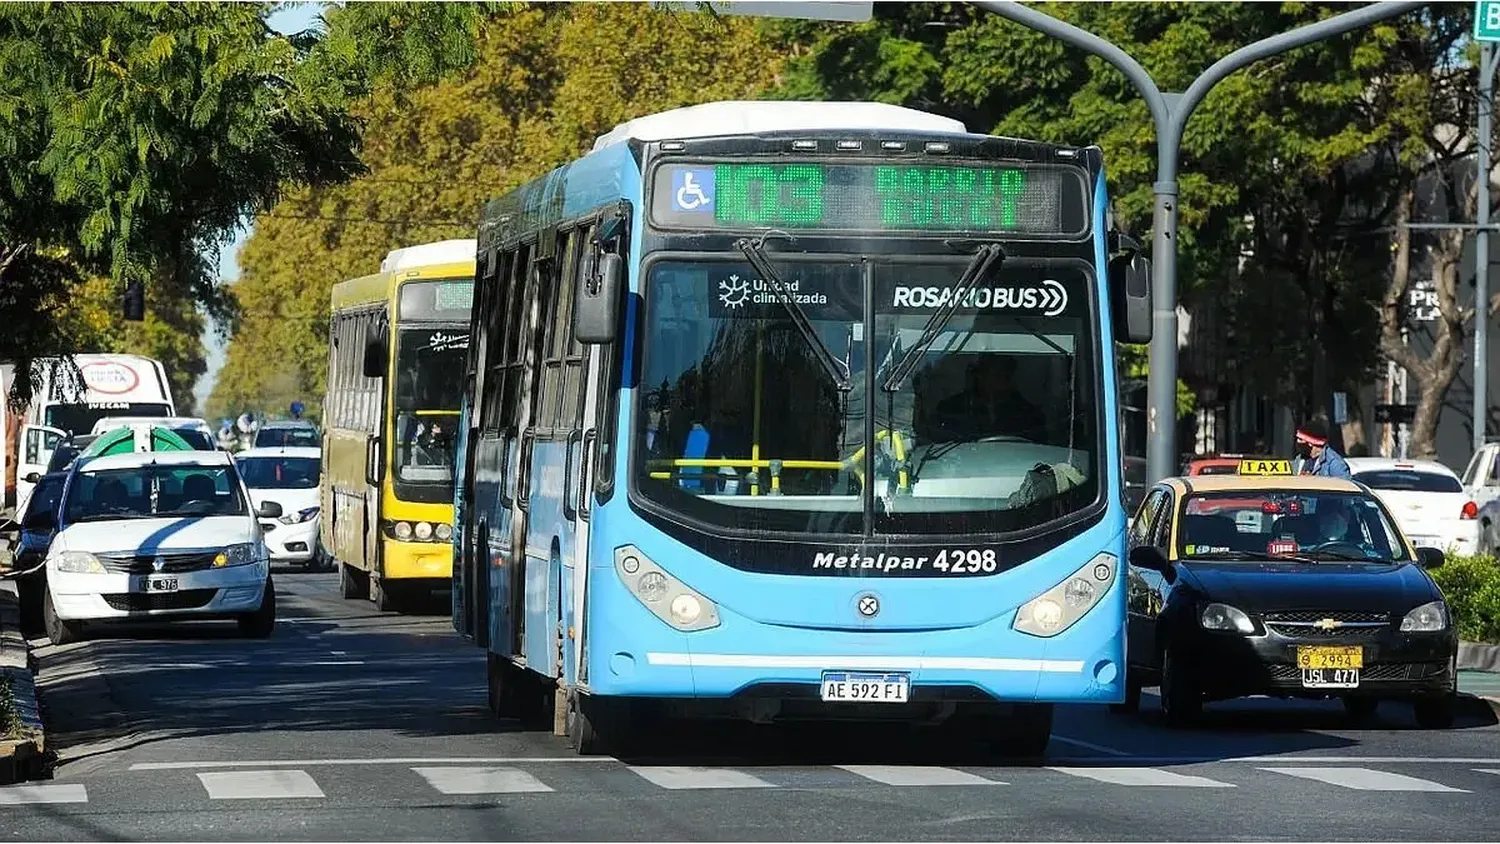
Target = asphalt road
(354,725)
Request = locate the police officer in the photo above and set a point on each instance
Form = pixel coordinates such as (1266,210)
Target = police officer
(1312,444)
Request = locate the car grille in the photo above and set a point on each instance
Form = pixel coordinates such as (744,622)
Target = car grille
(187,599)
(173,563)
(1304,624)
(1378,671)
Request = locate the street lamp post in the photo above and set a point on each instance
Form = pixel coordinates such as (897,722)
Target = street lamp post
(1170,113)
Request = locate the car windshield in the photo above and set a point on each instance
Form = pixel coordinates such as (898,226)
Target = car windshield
(1409,480)
(1263,524)
(80,418)
(279,472)
(196,438)
(993,429)
(144,492)
(298,437)
(430,366)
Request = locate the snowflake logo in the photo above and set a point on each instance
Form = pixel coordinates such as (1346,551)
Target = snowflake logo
(734,292)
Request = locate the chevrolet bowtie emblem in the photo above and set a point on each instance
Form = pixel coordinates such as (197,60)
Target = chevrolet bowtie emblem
(1327,624)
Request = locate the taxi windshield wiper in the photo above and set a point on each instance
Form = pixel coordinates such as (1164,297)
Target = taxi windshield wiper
(755,253)
(1325,556)
(985,261)
(1223,555)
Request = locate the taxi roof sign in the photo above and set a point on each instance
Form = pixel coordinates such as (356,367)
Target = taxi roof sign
(1265,467)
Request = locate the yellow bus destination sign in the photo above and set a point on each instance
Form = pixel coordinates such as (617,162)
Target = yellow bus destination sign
(1265,467)
(874,196)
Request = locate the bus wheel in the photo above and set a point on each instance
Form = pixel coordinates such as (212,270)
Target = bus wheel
(1020,731)
(594,725)
(352,582)
(385,595)
(1132,702)
(514,692)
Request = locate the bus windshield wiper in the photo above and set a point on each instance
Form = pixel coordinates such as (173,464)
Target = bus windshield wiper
(985,261)
(755,253)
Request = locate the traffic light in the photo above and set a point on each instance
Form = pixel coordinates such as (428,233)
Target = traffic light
(135,301)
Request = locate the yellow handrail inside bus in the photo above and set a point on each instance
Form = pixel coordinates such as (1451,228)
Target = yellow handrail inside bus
(850,463)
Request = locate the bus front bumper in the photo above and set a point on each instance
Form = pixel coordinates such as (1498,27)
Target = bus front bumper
(633,653)
(417,560)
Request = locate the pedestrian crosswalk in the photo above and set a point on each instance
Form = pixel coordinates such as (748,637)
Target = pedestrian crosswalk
(344,781)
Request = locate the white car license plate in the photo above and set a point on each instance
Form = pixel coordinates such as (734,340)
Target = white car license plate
(157,584)
(857,687)
(1330,678)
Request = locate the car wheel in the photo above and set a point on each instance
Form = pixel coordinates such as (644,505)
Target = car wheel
(261,623)
(1132,703)
(59,632)
(1181,700)
(1435,713)
(1361,708)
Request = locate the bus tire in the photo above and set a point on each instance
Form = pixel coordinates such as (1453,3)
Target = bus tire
(261,623)
(352,582)
(595,725)
(1132,702)
(1016,731)
(514,692)
(386,596)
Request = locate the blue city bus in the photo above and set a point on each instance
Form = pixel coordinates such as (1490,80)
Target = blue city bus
(787,411)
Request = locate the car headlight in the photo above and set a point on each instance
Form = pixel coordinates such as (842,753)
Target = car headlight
(1060,607)
(242,554)
(299,517)
(1226,618)
(80,562)
(668,598)
(1428,618)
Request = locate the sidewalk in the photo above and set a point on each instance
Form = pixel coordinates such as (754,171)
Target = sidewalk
(21,733)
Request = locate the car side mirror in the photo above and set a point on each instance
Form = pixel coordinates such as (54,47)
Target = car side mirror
(32,477)
(596,313)
(1430,558)
(1151,557)
(268,510)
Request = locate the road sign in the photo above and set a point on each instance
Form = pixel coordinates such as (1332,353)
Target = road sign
(1487,20)
(1395,413)
(816,11)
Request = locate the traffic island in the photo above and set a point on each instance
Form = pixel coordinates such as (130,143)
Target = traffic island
(22,738)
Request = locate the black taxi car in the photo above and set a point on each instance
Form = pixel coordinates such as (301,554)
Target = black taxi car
(1291,586)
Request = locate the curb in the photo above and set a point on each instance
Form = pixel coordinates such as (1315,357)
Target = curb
(23,758)
(1475,656)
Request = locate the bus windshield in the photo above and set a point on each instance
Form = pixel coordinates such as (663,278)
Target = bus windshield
(430,363)
(80,418)
(993,429)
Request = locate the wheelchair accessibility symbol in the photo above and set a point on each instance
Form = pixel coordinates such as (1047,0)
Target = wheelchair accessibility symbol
(693,190)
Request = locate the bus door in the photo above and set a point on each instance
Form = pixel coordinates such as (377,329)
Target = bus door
(527,352)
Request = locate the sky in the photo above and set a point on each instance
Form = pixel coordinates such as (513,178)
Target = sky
(292,17)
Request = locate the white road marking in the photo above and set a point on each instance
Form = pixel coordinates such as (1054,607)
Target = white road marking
(1143,777)
(409,761)
(1088,745)
(1288,760)
(481,780)
(677,777)
(917,775)
(259,785)
(18,795)
(1365,779)
(327,662)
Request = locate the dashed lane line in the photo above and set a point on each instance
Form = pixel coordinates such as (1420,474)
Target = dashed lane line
(916,775)
(21,795)
(1143,777)
(259,785)
(681,777)
(407,761)
(482,780)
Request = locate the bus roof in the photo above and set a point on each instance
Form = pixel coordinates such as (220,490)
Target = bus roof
(742,117)
(426,254)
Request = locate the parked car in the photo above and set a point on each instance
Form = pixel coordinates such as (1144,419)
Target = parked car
(1426,498)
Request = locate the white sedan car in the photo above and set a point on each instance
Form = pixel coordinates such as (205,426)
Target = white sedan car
(1426,498)
(289,477)
(163,534)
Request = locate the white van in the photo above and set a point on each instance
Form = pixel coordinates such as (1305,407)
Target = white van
(113,385)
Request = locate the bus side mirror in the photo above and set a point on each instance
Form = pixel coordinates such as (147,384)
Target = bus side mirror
(1130,292)
(596,311)
(375,357)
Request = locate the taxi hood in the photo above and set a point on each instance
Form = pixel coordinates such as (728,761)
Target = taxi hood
(1271,585)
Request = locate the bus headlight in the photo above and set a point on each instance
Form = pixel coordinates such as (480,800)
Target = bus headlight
(402,530)
(1060,607)
(668,598)
(444,532)
(423,531)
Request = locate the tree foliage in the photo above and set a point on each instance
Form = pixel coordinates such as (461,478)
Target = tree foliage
(547,80)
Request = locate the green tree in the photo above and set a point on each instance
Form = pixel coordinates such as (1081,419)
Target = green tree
(547,81)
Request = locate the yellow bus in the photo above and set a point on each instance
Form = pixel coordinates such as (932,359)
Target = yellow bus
(397,349)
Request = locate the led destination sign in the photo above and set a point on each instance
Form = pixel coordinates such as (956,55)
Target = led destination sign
(871,197)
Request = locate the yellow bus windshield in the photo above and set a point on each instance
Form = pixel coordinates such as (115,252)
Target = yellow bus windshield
(430,363)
